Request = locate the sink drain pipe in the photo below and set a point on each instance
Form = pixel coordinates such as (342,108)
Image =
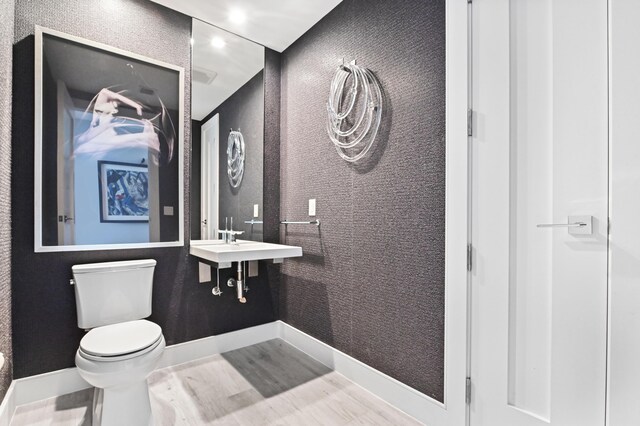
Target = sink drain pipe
(240,283)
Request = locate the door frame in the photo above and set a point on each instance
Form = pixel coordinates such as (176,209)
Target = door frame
(65,199)
(454,409)
(207,172)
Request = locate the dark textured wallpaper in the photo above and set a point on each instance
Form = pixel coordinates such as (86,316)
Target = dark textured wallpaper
(6,42)
(371,281)
(243,110)
(45,330)
(271,189)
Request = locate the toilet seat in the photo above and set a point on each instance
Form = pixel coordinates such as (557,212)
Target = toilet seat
(120,341)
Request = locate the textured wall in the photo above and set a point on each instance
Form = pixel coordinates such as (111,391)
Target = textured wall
(45,331)
(371,281)
(6,39)
(243,110)
(271,190)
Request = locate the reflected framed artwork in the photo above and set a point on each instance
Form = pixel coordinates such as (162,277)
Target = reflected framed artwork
(123,192)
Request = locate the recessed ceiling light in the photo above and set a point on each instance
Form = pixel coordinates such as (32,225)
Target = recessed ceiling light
(237,16)
(218,42)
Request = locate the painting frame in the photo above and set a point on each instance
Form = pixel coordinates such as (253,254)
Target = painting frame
(107,191)
(176,236)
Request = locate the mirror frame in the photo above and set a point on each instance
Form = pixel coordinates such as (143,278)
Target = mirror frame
(38,246)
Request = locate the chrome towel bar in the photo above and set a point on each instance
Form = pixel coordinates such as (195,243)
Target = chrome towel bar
(292,222)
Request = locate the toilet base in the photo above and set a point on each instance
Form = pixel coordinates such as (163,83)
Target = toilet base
(122,405)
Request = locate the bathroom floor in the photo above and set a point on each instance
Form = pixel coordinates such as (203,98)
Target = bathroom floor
(270,383)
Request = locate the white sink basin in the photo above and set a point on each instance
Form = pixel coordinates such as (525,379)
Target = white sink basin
(242,250)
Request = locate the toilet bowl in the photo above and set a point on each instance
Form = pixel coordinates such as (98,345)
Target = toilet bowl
(121,348)
(117,359)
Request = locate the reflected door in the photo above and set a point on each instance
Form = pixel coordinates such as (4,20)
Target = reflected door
(209,179)
(65,167)
(539,157)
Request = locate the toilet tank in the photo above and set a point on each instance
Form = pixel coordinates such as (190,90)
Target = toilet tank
(113,292)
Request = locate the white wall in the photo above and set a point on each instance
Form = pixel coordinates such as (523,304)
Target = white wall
(624,285)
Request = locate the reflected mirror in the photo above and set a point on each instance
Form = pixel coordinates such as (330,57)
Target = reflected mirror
(227,134)
(108,147)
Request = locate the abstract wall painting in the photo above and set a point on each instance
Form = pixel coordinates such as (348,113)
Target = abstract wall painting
(124,192)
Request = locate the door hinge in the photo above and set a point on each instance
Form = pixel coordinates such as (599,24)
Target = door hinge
(469,122)
(469,257)
(469,1)
(468,391)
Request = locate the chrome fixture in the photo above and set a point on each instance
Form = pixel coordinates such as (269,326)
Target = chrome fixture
(235,157)
(253,222)
(303,222)
(577,225)
(228,234)
(216,290)
(360,104)
(239,282)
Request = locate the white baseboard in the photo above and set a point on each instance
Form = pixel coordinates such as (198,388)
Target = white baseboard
(39,387)
(201,348)
(61,382)
(48,385)
(405,398)
(8,406)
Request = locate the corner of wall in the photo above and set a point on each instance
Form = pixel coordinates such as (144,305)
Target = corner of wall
(271,190)
(7,10)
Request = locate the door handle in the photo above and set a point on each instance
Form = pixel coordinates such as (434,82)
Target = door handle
(577,225)
(561,225)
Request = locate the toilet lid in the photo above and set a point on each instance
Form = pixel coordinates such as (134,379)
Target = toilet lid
(121,338)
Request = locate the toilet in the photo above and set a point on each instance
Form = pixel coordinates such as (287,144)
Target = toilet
(121,348)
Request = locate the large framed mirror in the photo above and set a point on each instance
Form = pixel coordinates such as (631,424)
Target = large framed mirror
(227,134)
(108,147)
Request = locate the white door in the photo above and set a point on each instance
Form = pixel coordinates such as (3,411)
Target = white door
(209,178)
(539,157)
(65,169)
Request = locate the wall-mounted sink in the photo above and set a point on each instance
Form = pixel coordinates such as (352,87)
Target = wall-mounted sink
(242,250)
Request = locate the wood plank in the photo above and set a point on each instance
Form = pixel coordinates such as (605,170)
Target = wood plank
(271,383)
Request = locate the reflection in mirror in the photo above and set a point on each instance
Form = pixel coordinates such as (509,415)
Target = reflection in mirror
(228,134)
(108,148)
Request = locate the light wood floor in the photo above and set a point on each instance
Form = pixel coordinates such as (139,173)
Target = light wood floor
(270,383)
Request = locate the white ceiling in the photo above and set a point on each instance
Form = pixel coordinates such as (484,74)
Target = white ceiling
(233,65)
(272,23)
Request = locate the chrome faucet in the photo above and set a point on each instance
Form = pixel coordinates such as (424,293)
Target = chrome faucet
(229,235)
